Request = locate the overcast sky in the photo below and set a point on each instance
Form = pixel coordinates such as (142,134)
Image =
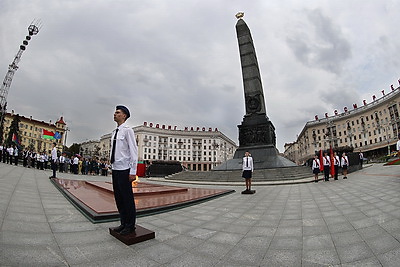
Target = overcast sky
(176,62)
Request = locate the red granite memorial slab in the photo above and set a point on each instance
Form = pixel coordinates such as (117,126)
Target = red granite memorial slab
(139,235)
(96,199)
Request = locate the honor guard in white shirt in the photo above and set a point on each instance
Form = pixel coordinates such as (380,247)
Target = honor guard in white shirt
(327,164)
(54,159)
(336,164)
(345,164)
(316,168)
(124,155)
(247,167)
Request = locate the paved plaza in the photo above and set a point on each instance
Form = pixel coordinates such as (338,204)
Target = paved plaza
(353,222)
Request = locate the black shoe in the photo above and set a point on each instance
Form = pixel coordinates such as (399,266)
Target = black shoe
(345,177)
(51,177)
(127,230)
(118,229)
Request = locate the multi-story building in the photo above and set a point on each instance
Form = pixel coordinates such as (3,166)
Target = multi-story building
(197,148)
(372,128)
(90,149)
(31,132)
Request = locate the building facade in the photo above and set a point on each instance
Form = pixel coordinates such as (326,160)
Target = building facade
(31,132)
(197,149)
(372,128)
(90,149)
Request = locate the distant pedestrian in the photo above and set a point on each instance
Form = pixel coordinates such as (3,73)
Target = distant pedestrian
(315,168)
(1,152)
(61,161)
(75,163)
(16,155)
(345,165)
(10,155)
(247,167)
(398,147)
(361,155)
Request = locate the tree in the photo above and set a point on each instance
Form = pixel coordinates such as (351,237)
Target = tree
(14,129)
(74,149)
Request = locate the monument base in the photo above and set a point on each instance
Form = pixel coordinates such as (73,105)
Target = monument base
(246,192)
(139,235)
(264,157)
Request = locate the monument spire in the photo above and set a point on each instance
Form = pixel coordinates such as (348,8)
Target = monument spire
(253,90)
(256,133)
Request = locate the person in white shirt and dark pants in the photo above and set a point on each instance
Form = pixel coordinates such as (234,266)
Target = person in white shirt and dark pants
(54,158)
(124,155)
(247,167)
(336,164)
(327,164)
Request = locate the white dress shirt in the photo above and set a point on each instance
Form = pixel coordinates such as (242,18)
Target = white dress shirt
(126,151)
(54,154)
(247,163)
(315,164)
(327,161)
(336,160)
(345,161)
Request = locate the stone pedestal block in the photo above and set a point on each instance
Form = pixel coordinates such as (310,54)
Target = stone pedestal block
(139,235)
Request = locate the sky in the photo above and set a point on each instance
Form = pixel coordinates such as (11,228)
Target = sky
(177,62)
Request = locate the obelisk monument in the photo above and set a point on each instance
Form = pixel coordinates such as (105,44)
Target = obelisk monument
(256,133)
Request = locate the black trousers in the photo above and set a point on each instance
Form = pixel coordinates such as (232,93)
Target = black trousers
(336,171)
(54,167)
(326,172)
(124,198)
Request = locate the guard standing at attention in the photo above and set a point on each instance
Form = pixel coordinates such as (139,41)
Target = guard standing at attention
(327,164)
(124,155)
(336,164)
(247,167)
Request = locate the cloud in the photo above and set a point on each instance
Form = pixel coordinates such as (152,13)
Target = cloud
(177,62)
(320,44)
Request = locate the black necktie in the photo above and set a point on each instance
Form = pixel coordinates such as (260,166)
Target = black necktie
(113,148)
(247,161)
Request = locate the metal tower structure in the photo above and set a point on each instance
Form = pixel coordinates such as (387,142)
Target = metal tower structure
(33,29)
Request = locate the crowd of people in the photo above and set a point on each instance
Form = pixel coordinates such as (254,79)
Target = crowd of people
(74,164)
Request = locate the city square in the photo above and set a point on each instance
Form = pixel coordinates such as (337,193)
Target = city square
(192,185)
(353,222)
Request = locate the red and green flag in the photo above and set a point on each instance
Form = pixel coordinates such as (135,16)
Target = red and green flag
(15,139)
(48,135)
